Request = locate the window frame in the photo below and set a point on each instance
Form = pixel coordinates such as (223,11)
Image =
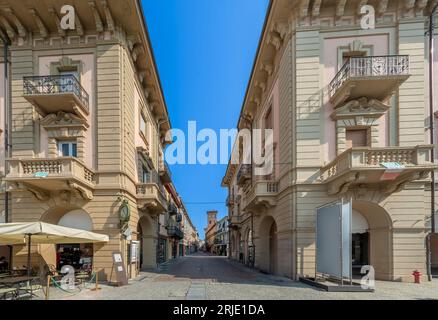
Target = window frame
(72,148)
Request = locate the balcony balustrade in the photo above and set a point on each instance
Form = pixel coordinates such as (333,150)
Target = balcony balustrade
(150,196)
(365,166)
(44,175)
(263,193)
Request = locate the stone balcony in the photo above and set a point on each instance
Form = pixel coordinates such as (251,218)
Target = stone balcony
(52,94)
(388,169)
(261,194)
(375,77)
(41,176)
(164,171)
(150,196)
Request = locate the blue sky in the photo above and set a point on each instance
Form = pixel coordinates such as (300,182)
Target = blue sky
(204,51)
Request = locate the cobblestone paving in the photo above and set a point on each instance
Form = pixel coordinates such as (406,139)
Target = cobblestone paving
(201,277)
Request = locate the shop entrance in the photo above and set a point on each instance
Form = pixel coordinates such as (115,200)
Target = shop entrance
(359,254)
(79,256)
(360,239)
(161,252)
(434,255)
(174,249)
(5,258)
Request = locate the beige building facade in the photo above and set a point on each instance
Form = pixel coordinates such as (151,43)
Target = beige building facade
(343,103)
(191,237)
(87,124)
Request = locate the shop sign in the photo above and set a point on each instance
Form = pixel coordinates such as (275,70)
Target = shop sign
(393,170)
(119,268)
(135,248)
(41,174)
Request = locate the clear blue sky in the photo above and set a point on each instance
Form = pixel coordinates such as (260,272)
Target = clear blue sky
(204,51)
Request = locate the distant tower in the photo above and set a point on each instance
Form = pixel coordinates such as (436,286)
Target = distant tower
(212,218)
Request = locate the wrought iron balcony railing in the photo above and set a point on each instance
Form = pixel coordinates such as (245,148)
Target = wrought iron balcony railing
(244,173)
(175,232)
(172,209)
(52,85)
(369,67)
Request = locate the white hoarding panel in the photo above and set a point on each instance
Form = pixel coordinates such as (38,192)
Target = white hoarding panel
(333,240)
(346,239)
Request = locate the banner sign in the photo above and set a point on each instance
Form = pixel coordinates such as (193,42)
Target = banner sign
(394,169)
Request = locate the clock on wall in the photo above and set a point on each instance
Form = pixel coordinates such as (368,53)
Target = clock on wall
(124,211)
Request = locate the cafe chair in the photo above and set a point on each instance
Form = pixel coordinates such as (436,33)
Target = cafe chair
(6,291)
(32,286)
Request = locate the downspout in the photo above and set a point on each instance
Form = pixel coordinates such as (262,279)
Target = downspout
(432,142)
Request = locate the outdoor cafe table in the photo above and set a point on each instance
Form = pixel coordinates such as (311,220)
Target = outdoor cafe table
(11,281)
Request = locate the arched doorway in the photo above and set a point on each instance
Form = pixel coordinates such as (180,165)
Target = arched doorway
(372,227)
(146,236)
(268,246)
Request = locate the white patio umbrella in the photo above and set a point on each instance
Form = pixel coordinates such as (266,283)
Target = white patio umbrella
(44,233)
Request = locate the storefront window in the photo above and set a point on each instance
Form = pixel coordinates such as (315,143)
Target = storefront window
(79,256)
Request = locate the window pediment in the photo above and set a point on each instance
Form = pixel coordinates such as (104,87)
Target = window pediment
(369,108)
(62,119)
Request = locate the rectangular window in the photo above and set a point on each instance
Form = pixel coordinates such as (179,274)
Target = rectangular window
(356,138)
(144,128)
(67,149)
(145,175)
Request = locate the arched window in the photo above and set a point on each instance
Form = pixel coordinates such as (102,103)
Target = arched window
(77,219)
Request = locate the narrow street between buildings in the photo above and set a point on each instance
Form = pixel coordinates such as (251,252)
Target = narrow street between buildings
(202,276)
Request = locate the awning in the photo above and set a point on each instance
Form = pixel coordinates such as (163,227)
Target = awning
(44,233)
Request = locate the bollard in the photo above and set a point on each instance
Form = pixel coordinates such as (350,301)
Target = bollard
(48,287)
(417,276)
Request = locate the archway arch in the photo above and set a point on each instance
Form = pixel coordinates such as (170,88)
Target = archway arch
(147,238)
(268,245)
(77,255)
(380,251)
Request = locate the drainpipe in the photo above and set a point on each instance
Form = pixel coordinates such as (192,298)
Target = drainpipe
(6,44)
(432,140)
(252,241)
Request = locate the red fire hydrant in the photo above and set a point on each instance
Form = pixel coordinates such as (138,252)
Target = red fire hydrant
(417,276)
